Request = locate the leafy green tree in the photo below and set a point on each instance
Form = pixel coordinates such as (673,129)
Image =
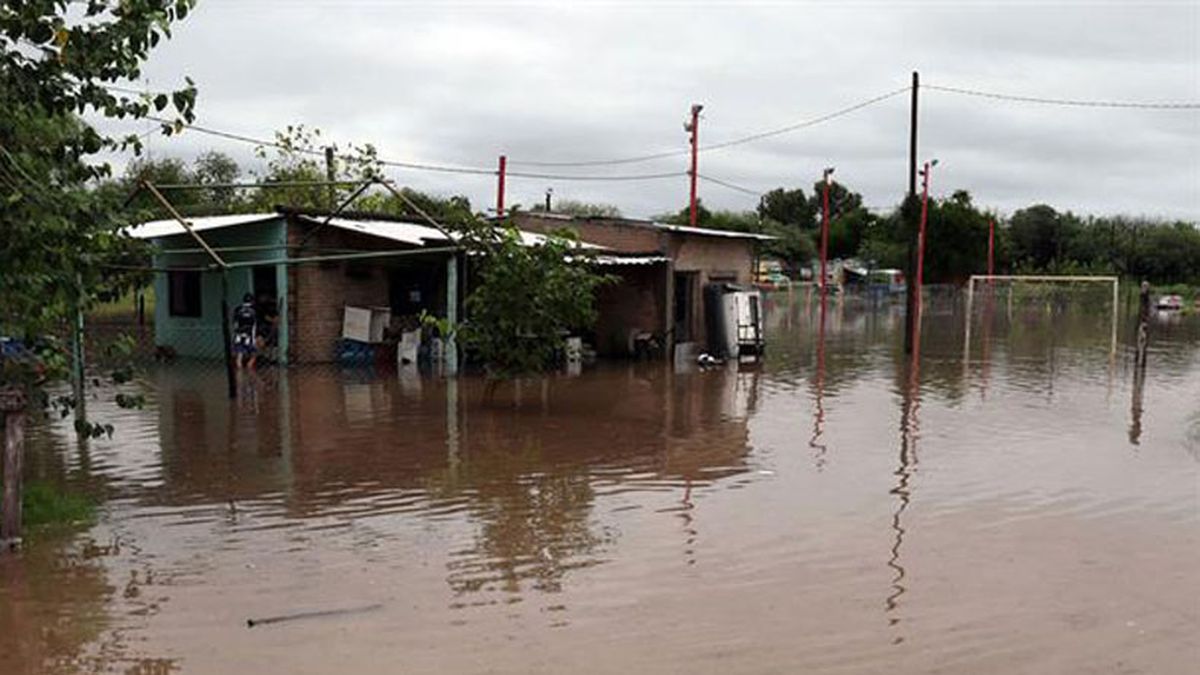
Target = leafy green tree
(792,246)
(162,171)
(841,200)
(58,62)
(955,239)
(525,299)
(1037,236)
(734,221)
(452,209)
(297,155)
(788,207)
(216,168)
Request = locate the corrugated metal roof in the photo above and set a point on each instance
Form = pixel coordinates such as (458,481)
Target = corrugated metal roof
(707,232)
(169,227)
(412,233)
(630,260)
(407,233)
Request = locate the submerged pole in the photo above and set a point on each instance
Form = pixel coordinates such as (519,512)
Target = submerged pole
(230,372)
(451,313)
(78,384)
(910,281)
(12,407)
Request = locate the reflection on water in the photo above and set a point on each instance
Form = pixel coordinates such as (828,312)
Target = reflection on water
(638,518)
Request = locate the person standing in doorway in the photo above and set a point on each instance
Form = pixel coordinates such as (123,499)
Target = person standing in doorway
(245,319)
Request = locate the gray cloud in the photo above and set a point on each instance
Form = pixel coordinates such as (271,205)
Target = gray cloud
(463,83)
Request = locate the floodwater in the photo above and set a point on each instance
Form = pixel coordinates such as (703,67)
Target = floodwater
(1033,508)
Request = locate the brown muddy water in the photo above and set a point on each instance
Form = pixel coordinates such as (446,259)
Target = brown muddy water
(1034,509)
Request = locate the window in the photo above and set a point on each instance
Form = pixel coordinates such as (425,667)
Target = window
(183,289)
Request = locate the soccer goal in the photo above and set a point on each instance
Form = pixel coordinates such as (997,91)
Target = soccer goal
(1012,282)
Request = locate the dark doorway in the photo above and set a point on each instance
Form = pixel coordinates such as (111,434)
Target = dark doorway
(685,300)
(416,287)
(265,285)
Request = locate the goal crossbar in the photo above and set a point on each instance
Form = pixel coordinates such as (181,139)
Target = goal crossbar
(1051,278)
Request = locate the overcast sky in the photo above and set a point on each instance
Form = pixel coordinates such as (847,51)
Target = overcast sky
(463,83)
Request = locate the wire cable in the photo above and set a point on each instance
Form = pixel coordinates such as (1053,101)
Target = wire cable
(1140,105)
(724,144)
(731,186)
(421,166)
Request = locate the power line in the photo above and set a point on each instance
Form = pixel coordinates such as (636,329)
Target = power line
(640,176)
(731,186)
(1140,105)
(416,166)
(724,144)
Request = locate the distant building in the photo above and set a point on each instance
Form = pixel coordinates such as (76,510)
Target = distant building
(664,300)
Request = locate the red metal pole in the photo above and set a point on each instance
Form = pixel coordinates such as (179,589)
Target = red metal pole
(825,236)
(991,248)
(921,242)
(694,127)
(500,187)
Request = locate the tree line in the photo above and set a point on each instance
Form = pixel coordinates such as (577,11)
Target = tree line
(1038,239)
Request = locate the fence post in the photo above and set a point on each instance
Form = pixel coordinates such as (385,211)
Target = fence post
(451,313)
(79,384)
(12,407)
(230,373)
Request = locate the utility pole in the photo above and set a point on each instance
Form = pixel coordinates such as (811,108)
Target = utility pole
(921,238)
(500,186)
(910,280)
(693,127)
(331,176)
(825,234)
(991,248)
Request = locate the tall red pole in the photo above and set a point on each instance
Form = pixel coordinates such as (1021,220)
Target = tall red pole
(825,234)
(500,186)
(921,243)
(991,248)
(694,128)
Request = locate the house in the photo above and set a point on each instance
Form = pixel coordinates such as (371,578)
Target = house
(310,266)
(670,302)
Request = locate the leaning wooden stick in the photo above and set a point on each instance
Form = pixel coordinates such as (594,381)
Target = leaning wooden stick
(251,623)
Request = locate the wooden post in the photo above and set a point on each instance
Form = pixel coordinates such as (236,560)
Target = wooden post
(451,313)
(230,371)
(78,377)
(12,406)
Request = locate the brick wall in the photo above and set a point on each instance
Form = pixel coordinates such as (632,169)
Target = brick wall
(620,235)
(318,292)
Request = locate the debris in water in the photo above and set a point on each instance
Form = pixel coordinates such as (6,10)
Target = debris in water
(251,623)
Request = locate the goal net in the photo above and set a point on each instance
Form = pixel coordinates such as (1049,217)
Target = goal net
(1026,295)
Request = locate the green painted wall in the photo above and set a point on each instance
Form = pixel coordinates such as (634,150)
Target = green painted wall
(201,337)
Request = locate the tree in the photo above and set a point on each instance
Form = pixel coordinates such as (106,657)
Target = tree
(1035,235)
(525,299)
(788,207)
(792,246)
(215,168)
(841,200)
(57,62)
(164,171)
(451,209)
(297,155)
(956,239)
